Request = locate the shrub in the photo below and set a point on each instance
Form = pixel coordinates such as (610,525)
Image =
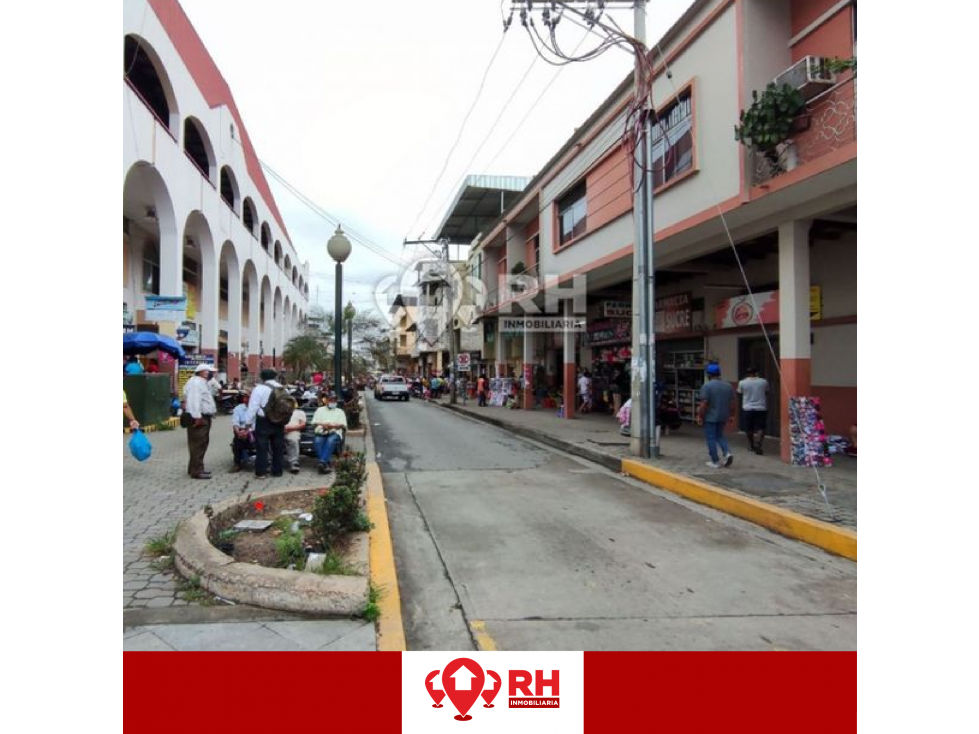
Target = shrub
(337,510)
(290,549)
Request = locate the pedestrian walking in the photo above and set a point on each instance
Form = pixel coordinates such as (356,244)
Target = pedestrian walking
(268,435)
(584,391)
(293,430)
(199,403)
(128,412)
(754,405)
(716,406)
(481,390)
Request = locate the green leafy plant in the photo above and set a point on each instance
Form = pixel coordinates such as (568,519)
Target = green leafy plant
(518,268)
(334,565)
(362,523)
(290,549)
(838,65)
(161,545)
(164,426)
(768,122)
(226,536)
(372,611)
(192,591)
(336,510)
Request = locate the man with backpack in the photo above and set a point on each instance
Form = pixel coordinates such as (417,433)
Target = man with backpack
(270,407)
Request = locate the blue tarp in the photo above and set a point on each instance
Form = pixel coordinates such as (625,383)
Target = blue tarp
(144,342)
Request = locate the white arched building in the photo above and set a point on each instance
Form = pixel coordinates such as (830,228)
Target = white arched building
(198,215)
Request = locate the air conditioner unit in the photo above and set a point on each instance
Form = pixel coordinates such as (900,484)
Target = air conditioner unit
(810,75)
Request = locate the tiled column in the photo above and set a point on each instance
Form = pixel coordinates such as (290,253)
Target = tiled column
(569,360)
(795,351)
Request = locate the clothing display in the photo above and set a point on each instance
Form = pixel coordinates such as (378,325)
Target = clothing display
(809,445)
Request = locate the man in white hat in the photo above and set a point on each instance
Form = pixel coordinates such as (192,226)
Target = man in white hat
(200,404)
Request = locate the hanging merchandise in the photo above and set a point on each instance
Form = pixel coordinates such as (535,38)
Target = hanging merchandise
(809,445)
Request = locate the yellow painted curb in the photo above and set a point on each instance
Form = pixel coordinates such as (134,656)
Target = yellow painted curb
(821,534)
(175,422)
(483,639)
(390,628)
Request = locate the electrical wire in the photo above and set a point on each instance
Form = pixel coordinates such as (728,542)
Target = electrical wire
(462,129)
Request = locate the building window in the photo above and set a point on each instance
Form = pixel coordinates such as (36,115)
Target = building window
(673,140)
(571,211)
(151,268)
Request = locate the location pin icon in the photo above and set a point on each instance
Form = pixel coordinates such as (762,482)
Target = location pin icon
(436,695)
(490,694)
(463,681)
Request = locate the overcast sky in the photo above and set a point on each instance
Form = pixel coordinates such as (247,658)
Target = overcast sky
(357,105)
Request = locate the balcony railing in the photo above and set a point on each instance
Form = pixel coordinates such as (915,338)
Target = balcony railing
(512,287)
(832,118)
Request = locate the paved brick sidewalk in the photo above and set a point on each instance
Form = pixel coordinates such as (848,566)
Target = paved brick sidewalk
(157,494)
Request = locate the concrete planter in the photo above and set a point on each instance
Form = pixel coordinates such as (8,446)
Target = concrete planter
(270,588)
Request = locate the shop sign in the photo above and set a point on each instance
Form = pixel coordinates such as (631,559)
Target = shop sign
(188,335)
(615,354)
(166,308)
(617,310)
(743,311)
(674,314)
(609,332)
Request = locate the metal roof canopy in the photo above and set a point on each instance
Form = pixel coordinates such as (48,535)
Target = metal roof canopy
(478,204)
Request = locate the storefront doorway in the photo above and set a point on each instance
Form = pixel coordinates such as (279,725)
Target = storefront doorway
(754,352)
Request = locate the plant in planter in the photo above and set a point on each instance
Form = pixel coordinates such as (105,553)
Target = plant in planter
(767,125)
(518,269)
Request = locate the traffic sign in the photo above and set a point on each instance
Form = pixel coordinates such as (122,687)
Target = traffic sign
(463,361)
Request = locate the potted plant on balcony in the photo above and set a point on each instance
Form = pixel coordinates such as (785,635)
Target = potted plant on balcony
(516,286)
(768,124)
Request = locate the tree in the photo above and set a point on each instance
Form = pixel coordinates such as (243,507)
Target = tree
(305,352)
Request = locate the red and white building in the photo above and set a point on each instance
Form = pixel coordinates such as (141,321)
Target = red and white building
(199,218)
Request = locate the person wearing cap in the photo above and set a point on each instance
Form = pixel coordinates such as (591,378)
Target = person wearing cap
(716,406)
(754,405)
(267,433)
(200,404)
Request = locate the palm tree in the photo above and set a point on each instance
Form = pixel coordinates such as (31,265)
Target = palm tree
(303,353)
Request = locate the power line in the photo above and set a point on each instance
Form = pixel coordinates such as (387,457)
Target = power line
(333,220)
(479,93)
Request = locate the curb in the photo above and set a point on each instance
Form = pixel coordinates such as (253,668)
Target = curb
(390,634)
(269,588)
(839,541)
(609,462)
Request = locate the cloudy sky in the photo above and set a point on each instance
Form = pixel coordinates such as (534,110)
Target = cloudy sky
(357,105)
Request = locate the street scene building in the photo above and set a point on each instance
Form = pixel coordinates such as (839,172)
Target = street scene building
(703,213)
(199,219)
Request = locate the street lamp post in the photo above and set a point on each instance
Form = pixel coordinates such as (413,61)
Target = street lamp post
(338,248)
(348,314)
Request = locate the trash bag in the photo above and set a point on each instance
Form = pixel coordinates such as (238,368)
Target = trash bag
(139,446)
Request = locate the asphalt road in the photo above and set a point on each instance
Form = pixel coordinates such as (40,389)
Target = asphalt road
(500,541)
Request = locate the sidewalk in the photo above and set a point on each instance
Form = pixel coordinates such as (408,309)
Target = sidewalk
(764,478)
(157,494)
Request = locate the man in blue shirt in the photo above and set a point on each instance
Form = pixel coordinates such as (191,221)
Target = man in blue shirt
(242,441)
(133,367)
(716,406)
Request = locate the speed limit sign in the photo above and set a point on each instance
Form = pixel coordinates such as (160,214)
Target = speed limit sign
(463,362)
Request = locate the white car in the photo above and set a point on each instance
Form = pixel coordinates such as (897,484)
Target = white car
(391,386)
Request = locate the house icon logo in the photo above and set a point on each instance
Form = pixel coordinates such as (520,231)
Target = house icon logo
(463,681)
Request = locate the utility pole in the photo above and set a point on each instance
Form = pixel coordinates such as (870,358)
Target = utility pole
(643,272)
(646,443)
(447,282)
(449,324)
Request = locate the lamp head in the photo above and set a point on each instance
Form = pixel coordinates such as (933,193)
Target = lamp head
(339,246)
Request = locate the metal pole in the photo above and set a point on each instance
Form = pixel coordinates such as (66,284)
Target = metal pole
(651,294)
(338,331)
(643,390)
(350,368)
(452,335)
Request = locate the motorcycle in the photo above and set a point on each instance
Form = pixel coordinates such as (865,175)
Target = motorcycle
(227,400)
(416,390)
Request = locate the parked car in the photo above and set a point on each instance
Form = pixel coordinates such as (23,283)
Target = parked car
(391,386)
